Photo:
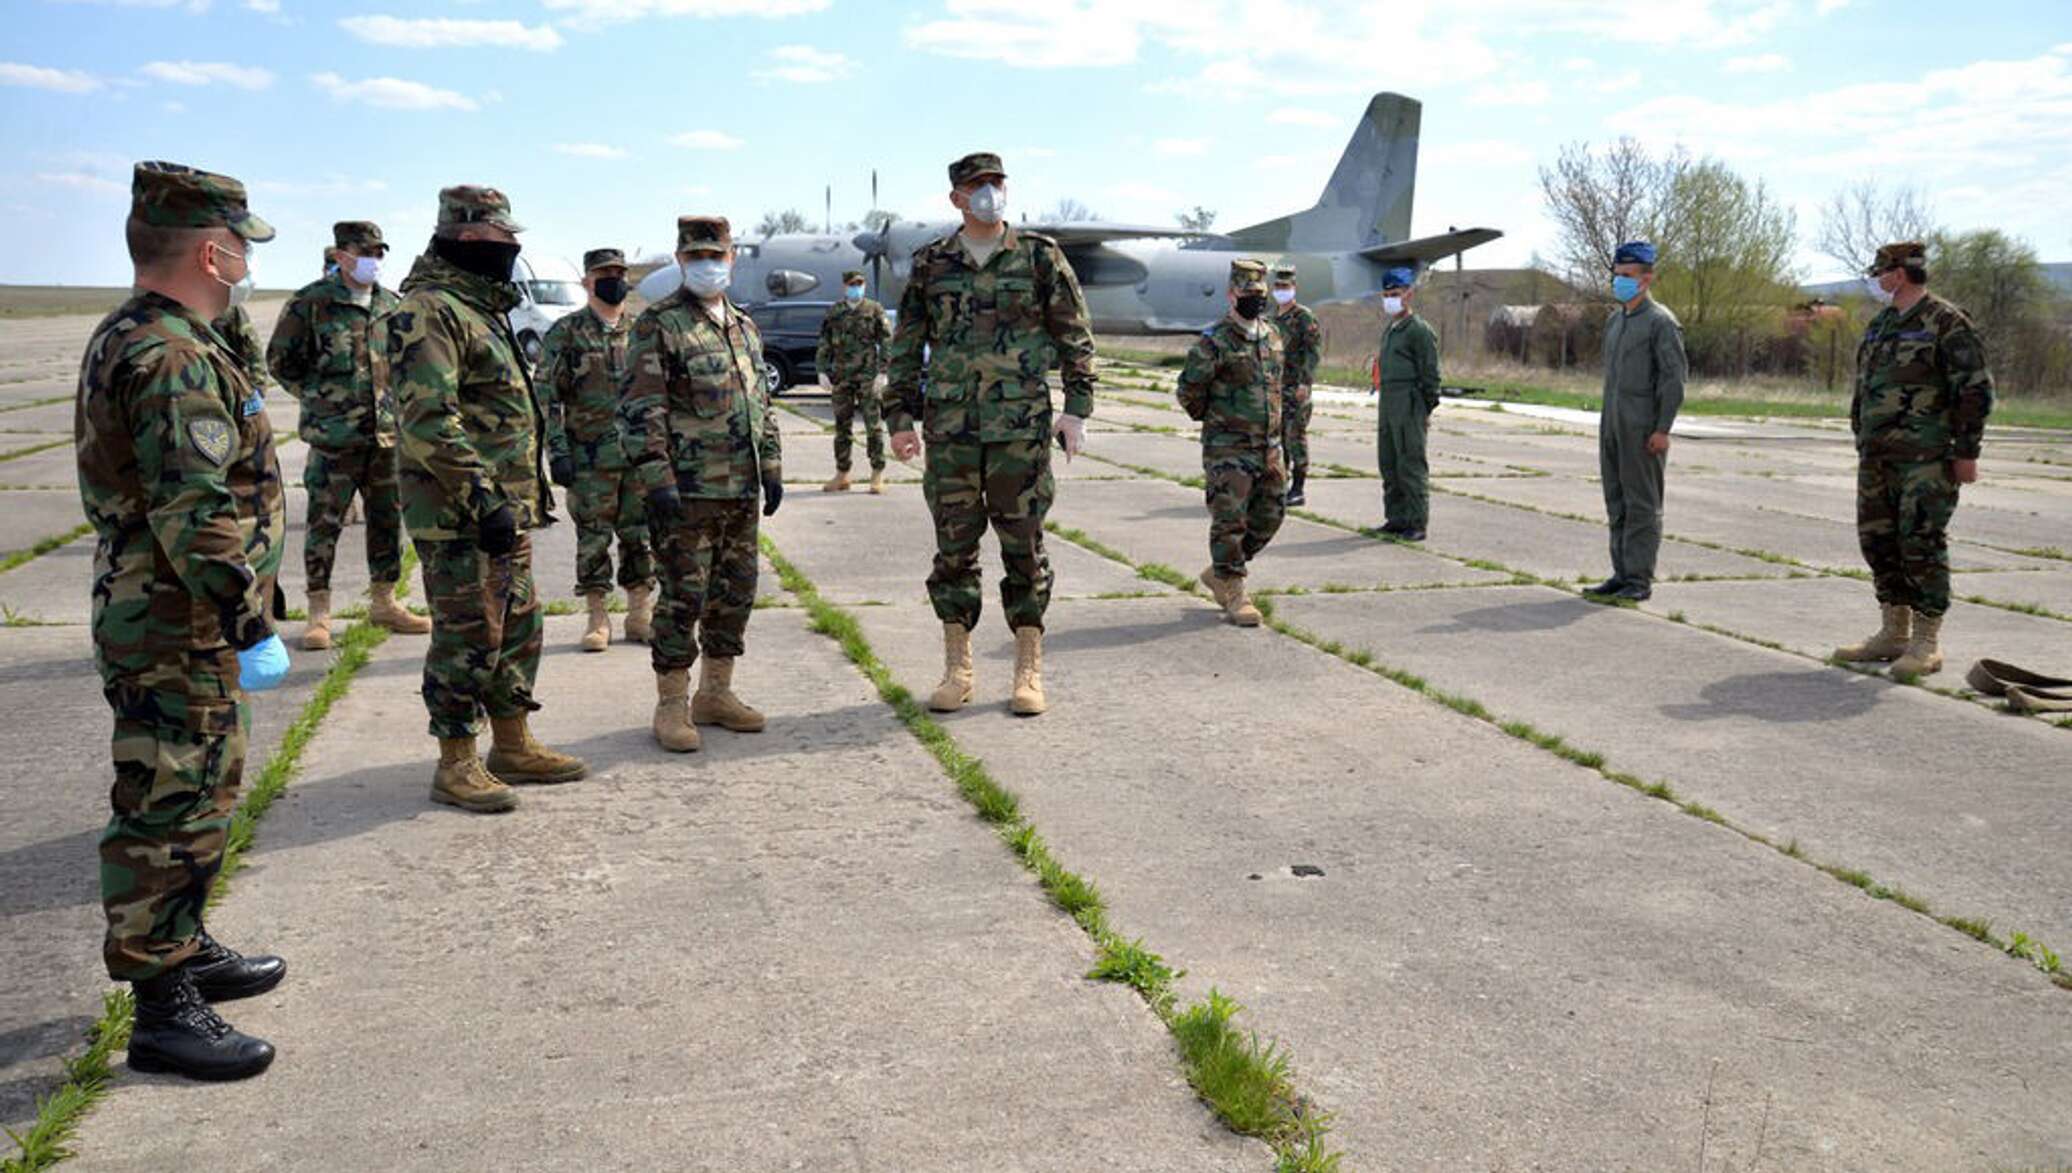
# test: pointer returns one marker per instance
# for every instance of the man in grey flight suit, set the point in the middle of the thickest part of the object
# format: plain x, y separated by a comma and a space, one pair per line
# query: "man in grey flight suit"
1644, 370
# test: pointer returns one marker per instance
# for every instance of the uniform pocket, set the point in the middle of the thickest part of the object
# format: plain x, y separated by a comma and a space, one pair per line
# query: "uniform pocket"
711, 384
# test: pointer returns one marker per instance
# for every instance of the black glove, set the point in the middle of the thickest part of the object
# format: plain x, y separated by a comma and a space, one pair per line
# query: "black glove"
497, 533
773, 494
562, 470
664, 504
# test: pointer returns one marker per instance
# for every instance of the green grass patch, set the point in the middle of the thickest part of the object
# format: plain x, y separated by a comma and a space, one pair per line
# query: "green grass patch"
33, 449
44, 546
43, 402
48, 1140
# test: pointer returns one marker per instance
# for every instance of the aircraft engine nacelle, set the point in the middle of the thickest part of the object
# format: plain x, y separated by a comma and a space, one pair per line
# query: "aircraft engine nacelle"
783, 283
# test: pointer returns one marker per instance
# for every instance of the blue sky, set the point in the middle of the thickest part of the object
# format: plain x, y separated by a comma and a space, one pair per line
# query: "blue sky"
604, 119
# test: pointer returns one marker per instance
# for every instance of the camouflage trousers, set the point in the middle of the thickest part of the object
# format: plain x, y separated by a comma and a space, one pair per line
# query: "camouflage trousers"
1007, 484
333, 476
486, 634
1295, 412
708, 582
1406, 485
607, 503
848, 399
1245, 491
1903, 510
178, 764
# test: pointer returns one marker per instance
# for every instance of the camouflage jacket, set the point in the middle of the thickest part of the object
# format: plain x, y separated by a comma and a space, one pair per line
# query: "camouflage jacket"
1922, 388
234, 327
470, 427
1644, 368
852, 342
1409, 360
321, 355
987, 336
1304, 339
693, 401
178, 476
581, 366
1232, 383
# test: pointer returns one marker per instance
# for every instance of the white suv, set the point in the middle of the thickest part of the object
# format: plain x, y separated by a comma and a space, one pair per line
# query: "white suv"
549, 289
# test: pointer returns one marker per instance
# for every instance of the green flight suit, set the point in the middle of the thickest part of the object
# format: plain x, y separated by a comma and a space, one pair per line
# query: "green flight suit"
1644, 369
1409, 377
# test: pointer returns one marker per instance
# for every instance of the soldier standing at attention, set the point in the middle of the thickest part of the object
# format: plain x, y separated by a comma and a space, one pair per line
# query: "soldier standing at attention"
1304, 342
851, 362
178, 477
1922, 397
1644, 370
320, 352
472, 485
1406, 377
1234, 384
581, 366
986, 312
696, 410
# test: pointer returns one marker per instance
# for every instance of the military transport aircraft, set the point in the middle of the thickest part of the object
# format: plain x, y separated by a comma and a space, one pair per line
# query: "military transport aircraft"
1150, 280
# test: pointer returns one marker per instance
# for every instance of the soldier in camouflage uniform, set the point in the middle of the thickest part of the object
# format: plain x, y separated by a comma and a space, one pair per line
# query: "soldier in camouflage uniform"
1303, 339
1235, 384
320, 352
1644, 369
1406, 381
1922, 397
582, 364
177, 476
986, 312
851, 362
696, 410
472, 484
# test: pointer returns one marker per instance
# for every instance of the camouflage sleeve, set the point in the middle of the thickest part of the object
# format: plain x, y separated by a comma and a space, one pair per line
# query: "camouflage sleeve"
1306, 352
1971, 389
771, 455
644, 403
289, 355
1671, 368
909, 345
1195, 377
881, 340
1066, 319
823, 353
236, 328
1426, 354
184, 436
425, 346
555, 386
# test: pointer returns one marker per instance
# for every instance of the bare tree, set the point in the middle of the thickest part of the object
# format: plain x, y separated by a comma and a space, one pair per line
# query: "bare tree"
878, 219
788, 220
1863, 216
1199, 220
1601, 200
1069, 210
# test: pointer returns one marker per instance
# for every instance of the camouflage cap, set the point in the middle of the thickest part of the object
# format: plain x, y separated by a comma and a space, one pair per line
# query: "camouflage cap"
1284, 274
358, 234
703, 232
173, 195
1899, 254
604, 258
1248, 276
468, 204
973, 166
852, 276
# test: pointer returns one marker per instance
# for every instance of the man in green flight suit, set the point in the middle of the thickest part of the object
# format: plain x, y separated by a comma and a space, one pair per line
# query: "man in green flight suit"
851, 360
1406, 378
1644, 369
1235, 385
1303, 338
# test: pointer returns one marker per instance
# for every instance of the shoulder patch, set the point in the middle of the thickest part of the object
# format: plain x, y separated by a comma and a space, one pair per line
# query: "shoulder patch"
211, 438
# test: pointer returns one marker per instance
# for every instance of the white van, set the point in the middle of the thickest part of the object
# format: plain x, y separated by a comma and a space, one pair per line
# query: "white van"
549, 289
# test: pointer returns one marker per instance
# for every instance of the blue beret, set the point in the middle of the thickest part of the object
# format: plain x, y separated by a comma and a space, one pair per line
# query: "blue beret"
1634, 252
1398, 278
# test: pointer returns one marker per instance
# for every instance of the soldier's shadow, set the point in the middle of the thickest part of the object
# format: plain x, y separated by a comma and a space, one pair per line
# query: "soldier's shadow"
1785, 698
1517, 617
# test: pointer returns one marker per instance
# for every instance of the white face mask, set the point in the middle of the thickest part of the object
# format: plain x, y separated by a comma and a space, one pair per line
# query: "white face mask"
1391, 306
366, 270
988, 203
240, 289
1284, 296
706, 278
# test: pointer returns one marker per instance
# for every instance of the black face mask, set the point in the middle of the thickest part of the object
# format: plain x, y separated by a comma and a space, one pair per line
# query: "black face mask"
611, 290
1251, 305
484, 258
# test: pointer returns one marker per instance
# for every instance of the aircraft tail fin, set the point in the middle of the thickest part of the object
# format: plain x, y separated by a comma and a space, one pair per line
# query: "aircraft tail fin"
1367, 201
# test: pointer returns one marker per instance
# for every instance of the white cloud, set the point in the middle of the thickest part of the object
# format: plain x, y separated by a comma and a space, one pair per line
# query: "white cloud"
336, 185
1148, 193
36, 77
448, 33
264, 7
600, 12
705, 140
806, 65
1300, 116
590, 150
82, 181
173, 107
1758, 63
1579, 64
391, 93
1516, 93
196, 6
201, 73
1181, 146
1619, 83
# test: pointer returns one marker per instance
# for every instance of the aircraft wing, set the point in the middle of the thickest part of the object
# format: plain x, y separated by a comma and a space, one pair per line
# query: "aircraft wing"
1080, 233
1426, 249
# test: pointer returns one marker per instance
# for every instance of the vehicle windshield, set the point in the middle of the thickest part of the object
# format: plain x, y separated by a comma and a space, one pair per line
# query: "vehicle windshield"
557, 292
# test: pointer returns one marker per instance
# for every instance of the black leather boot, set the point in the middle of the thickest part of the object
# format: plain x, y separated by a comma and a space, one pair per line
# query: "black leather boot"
177, 1032
1295, 495
222, 974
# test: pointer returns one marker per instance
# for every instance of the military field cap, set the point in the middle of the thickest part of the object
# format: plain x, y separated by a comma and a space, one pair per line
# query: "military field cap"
852, 276
603, 258
360, 234
1399, 278
1900, 254
703, 232
975, 164
1634, 252
1284, 274
173, 195
1248, 276
468, 204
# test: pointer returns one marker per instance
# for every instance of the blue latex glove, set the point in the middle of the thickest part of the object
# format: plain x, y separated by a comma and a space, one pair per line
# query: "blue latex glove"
261, 666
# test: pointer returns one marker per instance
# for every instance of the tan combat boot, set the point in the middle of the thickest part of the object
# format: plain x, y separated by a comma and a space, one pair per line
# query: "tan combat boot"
673, 728
878, 481
316, 633
840, 484
1028, 672
955, 690
597, 632
461, 781
1924, 649
1239, 605
715, 702
1889, 643
384, 611
515, 756
640, 614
